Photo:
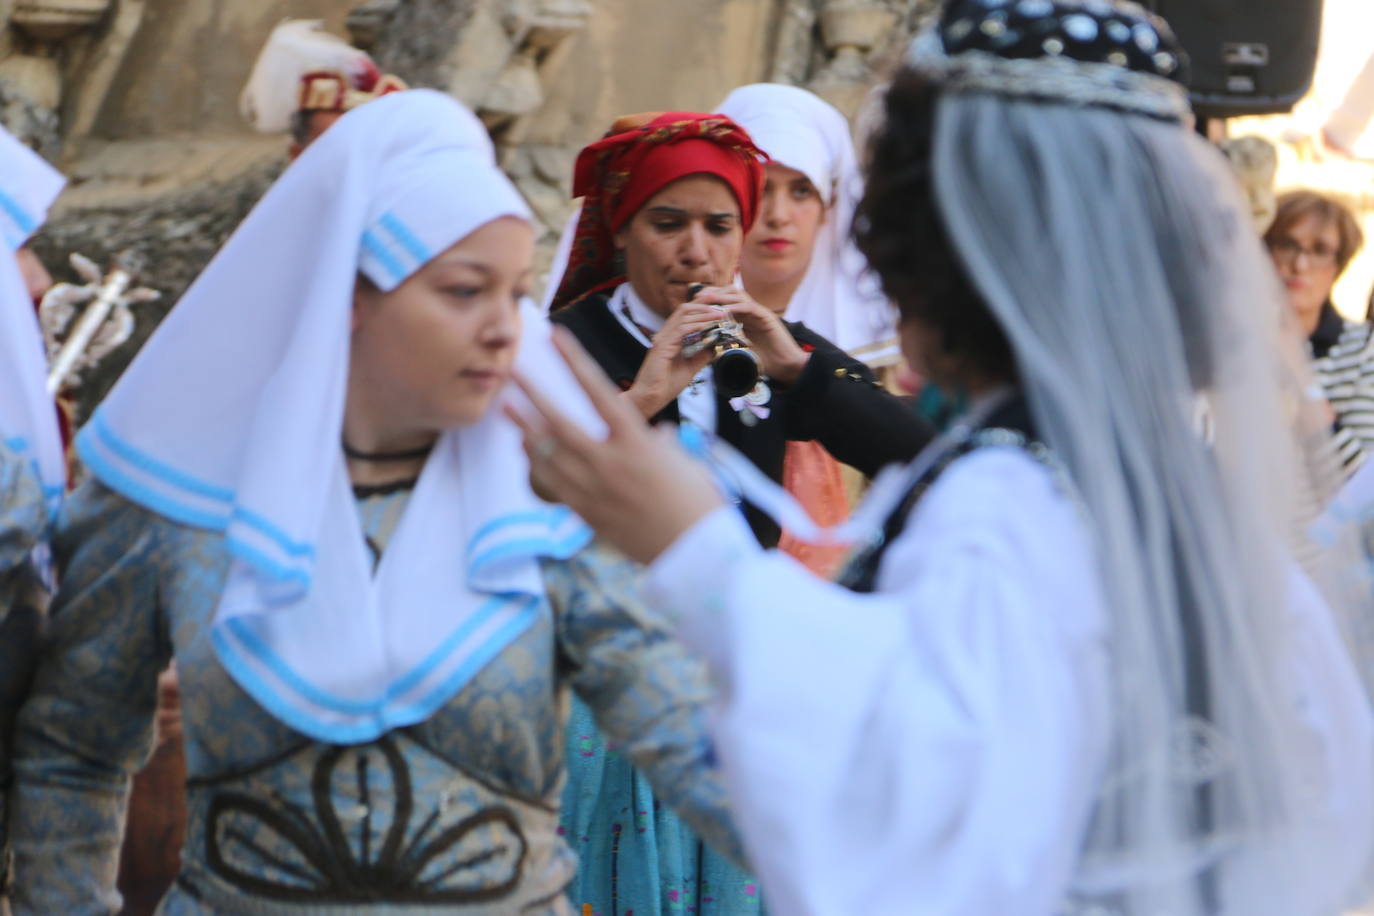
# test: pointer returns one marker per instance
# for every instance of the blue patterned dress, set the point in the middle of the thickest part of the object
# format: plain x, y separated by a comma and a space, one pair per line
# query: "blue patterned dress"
23, 522
457, 814
638, 858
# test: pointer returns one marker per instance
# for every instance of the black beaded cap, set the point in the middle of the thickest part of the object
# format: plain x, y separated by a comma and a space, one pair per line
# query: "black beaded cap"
1111, 32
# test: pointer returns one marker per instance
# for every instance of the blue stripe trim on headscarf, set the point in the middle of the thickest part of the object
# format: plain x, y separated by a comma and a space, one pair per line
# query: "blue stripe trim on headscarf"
21, 217
384, 718
265, 564
536, 547
154, 467
107, 470
117, 479
551, 517
407, 239
259, 650
377, 250
292, 547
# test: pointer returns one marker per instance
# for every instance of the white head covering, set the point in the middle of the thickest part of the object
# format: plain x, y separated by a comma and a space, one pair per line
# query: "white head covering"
231, 417
1110, 243
838, 299
28, 420
295, 48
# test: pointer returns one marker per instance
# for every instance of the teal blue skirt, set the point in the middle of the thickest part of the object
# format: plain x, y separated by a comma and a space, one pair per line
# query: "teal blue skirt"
637, 858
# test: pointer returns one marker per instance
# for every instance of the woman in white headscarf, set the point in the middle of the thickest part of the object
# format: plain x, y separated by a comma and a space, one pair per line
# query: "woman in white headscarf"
300, 491
1074, 667
32, 472
30, 440
804, 264
800, 260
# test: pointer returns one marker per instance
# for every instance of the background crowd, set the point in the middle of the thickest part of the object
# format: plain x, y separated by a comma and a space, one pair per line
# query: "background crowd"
1101, 645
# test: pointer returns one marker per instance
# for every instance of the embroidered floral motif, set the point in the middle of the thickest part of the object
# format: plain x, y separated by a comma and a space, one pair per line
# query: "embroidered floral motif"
337, 852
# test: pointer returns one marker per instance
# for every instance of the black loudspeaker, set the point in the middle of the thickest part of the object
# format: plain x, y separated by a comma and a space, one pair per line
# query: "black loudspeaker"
1248, 56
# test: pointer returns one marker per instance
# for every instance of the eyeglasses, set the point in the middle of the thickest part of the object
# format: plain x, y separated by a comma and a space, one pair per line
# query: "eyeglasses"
1287, 249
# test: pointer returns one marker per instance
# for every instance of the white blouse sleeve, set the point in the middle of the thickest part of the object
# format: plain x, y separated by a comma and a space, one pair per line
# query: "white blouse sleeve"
930, 749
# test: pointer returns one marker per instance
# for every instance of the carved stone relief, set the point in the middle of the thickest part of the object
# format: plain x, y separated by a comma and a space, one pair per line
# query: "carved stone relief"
499, 57
369, 21
502, 56
840, 49
542, 171
851, 31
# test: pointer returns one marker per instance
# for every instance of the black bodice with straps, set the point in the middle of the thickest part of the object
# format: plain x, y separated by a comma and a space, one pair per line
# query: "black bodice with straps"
1008, 424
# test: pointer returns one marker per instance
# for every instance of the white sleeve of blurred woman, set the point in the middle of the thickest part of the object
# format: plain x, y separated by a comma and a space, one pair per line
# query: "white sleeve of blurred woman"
930, 749
1336, 753
937, 748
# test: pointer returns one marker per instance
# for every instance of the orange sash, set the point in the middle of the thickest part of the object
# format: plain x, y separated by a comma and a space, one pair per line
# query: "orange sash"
811, 475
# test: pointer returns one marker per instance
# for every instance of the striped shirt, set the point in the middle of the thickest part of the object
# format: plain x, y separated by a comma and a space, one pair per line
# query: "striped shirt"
1344, 368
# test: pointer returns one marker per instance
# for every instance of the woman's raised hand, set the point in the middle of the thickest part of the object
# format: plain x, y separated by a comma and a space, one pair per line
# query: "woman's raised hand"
780, 356
665, 371
637, 488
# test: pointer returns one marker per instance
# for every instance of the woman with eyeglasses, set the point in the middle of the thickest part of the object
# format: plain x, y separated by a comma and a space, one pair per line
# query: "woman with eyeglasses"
1312, 240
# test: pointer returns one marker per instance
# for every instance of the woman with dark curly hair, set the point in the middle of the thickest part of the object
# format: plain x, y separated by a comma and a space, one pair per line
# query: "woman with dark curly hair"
1076, 668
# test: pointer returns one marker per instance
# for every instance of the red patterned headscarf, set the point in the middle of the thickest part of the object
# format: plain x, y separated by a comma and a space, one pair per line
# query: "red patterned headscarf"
641, 155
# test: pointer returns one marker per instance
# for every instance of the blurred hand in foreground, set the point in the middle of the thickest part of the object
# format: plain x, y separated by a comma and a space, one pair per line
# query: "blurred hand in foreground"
637, 488
168, 706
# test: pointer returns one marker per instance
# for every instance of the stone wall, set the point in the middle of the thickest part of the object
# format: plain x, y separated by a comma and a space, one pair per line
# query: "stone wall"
140, 104
190, 59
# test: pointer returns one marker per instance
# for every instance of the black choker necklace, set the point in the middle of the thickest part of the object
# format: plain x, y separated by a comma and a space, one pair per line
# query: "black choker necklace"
409, 455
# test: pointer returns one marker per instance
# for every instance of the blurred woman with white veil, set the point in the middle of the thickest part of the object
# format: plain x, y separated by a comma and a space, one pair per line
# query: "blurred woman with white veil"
32, 469
820, 280
1076, 668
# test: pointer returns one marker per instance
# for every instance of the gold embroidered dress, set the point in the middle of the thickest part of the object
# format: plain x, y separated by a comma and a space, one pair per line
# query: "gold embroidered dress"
456, 814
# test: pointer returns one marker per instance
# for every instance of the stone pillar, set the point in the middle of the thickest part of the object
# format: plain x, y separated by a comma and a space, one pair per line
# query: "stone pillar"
499, 57
56, 22
852, 30
368, 22
31, 72
541, 169
794, 50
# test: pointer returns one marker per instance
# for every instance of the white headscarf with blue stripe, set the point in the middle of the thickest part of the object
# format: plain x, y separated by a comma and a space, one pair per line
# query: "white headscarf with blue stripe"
28, 420
838, 298
231, 417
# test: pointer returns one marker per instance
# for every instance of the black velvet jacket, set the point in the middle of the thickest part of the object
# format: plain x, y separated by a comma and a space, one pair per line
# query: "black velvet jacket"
837, 402
1330, 327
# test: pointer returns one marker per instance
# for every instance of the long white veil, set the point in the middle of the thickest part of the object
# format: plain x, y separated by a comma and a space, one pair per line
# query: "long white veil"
1118, 258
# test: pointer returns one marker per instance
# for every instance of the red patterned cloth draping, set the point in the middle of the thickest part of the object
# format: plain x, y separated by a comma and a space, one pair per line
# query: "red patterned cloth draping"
640, 156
